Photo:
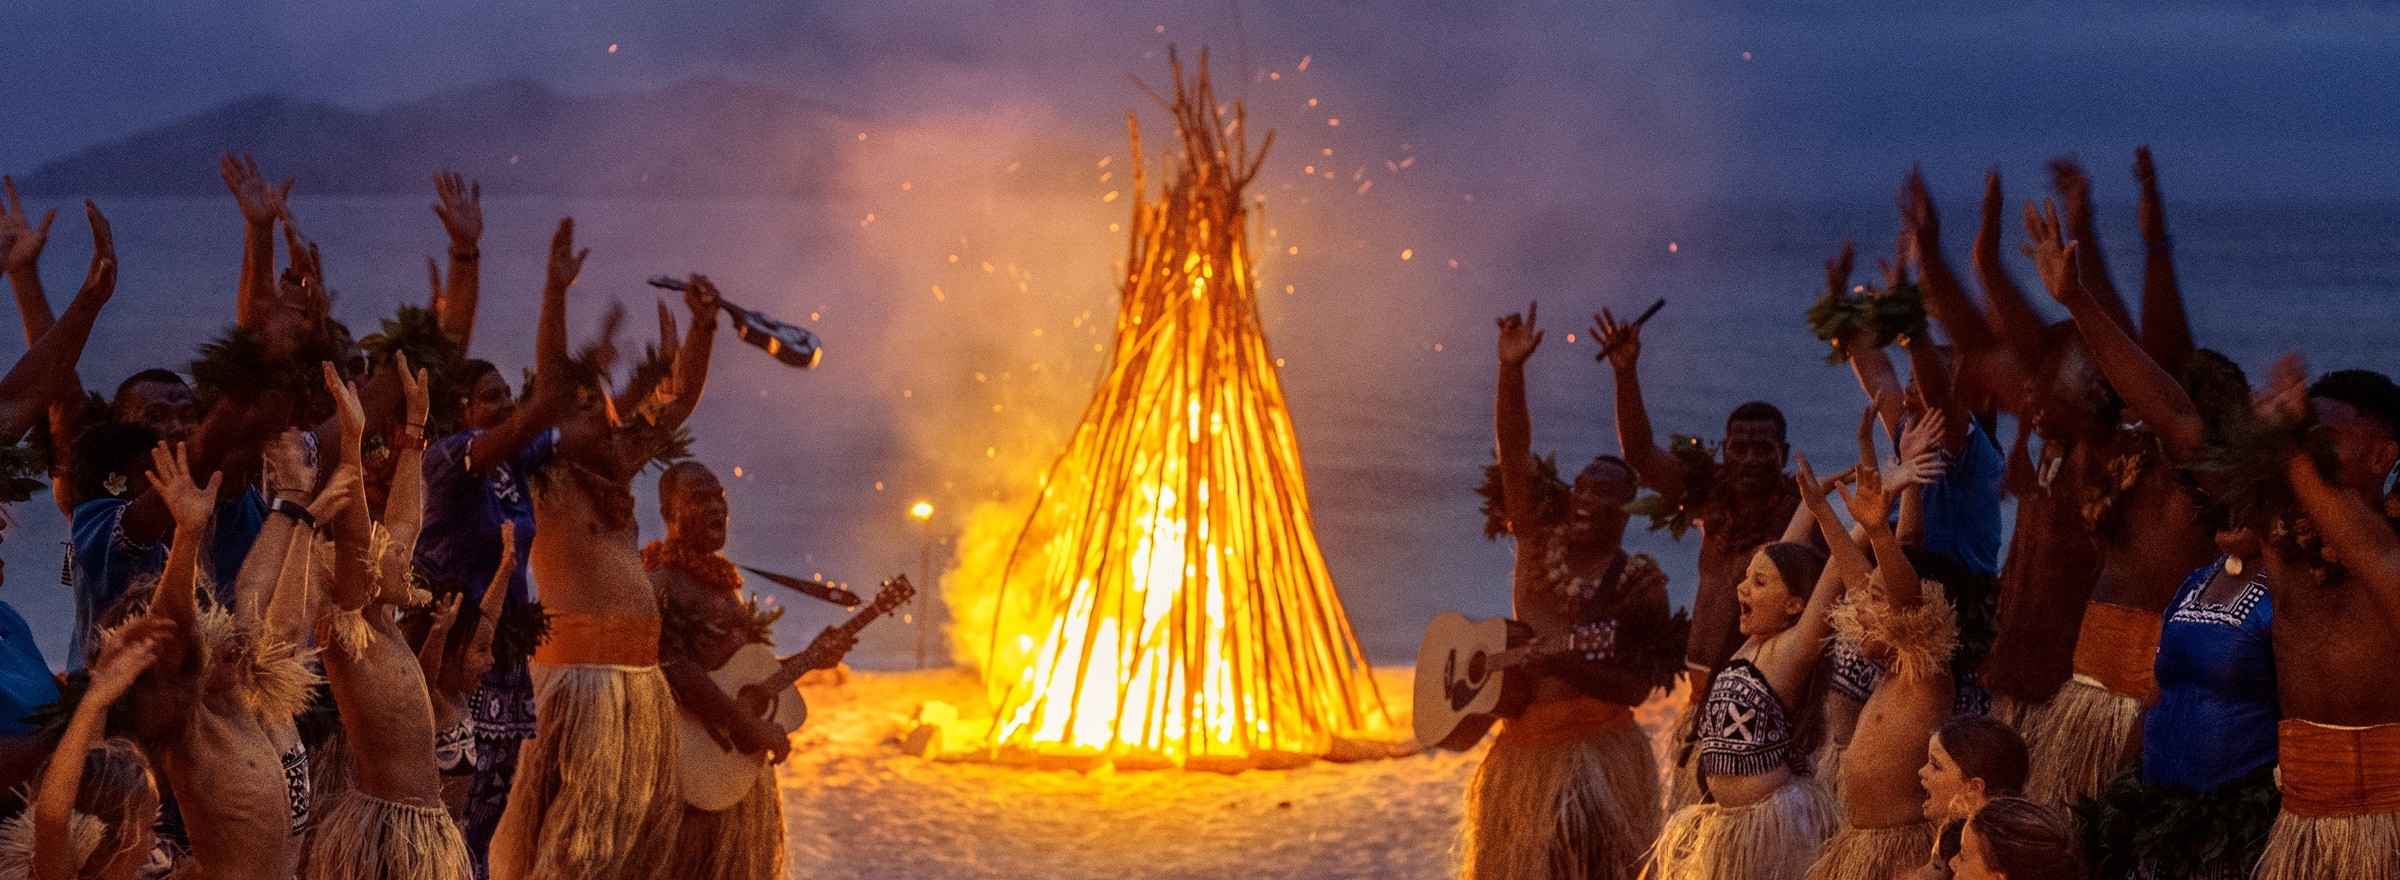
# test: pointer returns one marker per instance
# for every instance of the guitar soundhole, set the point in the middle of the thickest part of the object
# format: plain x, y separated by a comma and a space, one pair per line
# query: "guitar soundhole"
1475, 669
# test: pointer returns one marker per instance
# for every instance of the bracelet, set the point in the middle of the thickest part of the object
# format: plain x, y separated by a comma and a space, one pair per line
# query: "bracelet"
295, 510
415, 429
467, 257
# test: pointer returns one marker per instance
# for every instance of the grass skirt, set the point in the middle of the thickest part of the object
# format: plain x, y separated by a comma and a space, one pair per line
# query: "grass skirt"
2332, 846
2076, 741
1579, 809
595, 794
1874, 853
1826, 767
741, 842
361, 837
85, 835
1774, 839
1683, 786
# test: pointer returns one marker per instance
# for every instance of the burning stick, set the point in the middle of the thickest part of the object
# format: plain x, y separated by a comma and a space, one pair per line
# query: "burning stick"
1173, 603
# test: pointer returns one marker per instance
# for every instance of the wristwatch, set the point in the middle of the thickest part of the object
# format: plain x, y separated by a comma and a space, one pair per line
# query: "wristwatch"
294, 509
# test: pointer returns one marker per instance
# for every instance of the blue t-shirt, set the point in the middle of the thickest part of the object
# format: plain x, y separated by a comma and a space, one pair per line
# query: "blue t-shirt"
1962, 507
463, 514
105, 562
2216, 716
25, 681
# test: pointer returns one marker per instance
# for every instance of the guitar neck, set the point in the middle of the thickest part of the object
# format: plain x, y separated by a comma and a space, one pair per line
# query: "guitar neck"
791, 672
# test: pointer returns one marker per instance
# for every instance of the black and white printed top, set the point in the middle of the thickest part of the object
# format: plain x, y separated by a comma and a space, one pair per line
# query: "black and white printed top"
1743, 727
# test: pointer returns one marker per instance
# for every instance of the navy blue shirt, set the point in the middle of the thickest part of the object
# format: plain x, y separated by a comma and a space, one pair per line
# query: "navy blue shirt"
105, 562
1962, 507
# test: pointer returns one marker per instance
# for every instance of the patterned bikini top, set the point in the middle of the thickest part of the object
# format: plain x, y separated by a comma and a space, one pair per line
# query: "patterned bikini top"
1743, 727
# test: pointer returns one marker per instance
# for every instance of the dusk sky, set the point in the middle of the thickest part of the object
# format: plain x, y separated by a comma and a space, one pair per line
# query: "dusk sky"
2288, 101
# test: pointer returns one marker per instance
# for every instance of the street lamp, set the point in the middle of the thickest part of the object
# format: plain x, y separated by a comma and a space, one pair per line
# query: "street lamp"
922, 512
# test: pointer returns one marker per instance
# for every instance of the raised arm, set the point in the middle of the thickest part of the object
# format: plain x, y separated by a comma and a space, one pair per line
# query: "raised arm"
353, 585
552, 395
191, 505
2154, 395
47, 371
2354, 532
1512, 420
1998, 362
21, 242
2013, 315
2075, 187
1846, 566
125, 653
1622, 341
404, 509
261, 202
1936, 388
683, 389
2166, 329
1867, 361
460, 207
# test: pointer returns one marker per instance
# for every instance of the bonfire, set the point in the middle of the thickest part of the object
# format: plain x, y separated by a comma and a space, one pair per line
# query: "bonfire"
1165, 602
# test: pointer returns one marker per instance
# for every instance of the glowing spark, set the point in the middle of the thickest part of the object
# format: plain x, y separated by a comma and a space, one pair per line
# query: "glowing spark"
937, 294
612, 48
1407, 253
1437, 346
906, 186
737, 470
1362, 188
1453, 264
1304, 62
1745, 56
815, 316
862, 136
878, 488
863, 223
1104, 160
921, 510
1275, 74
1112, 196
1294, 251
1333, 122
1671, 247
1312, 102
1570, 339
512, 160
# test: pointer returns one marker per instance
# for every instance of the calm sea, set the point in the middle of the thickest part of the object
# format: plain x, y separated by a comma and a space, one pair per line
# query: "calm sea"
957, 354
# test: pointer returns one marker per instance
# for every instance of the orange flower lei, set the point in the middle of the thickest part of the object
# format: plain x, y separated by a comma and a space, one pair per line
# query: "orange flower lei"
710, 569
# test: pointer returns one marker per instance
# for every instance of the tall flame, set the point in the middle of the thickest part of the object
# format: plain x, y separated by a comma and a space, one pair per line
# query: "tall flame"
1166, 597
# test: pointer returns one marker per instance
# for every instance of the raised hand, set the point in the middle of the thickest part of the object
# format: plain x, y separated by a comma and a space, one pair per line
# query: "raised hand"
2153, 212
1519, 335
702, 299
1837, 270
28, 237
1920, 224
2051, 252
102, 277
2285, 399
1920, 459
125, 653
460, 208
171, 477
413, 384
308, 265
565, 261
1621, 339
1987, 234
285, 463
353, 416
261, 202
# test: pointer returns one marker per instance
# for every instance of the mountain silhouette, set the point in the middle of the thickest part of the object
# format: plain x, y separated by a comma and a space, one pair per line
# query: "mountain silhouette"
703, 137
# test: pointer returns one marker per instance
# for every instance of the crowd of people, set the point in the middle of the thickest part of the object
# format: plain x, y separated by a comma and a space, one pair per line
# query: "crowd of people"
2170, 670
306, 637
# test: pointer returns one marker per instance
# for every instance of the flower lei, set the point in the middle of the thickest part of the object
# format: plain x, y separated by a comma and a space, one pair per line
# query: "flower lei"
711, 570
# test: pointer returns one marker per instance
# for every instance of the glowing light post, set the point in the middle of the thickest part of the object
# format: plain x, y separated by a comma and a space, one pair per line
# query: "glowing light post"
922, 512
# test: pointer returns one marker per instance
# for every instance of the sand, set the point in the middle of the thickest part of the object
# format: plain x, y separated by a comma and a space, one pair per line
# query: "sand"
858, 806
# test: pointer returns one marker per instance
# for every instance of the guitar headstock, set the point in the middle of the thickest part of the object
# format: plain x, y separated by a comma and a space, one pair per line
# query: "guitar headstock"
893, 594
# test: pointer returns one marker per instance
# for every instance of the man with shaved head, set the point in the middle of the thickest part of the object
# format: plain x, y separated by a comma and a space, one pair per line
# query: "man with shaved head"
704, 619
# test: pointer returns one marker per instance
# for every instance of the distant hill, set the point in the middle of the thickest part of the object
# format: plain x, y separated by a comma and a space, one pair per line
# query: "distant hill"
697, 138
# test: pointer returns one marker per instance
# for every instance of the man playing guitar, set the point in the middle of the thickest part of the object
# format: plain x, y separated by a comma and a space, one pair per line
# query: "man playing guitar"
705, 619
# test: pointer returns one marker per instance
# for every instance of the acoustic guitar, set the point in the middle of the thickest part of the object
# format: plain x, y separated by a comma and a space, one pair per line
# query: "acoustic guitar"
1464, 678
715, 777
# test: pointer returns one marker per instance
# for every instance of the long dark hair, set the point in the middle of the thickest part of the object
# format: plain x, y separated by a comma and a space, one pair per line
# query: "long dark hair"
1988, 750
2028, 841
1800, 565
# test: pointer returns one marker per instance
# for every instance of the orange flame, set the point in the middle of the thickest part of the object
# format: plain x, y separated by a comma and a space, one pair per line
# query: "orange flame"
1165, 599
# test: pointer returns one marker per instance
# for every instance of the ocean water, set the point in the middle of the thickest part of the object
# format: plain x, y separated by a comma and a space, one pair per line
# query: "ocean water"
939, 383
